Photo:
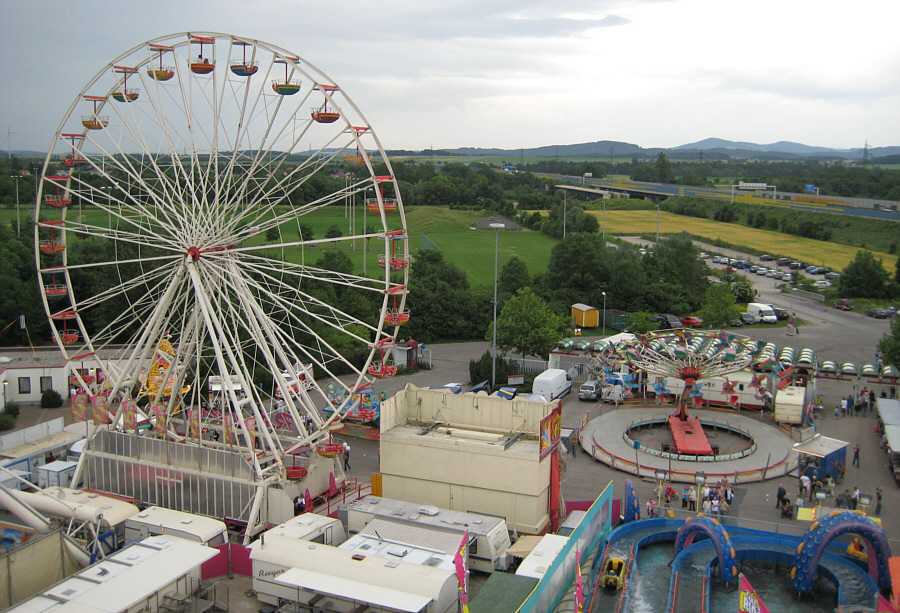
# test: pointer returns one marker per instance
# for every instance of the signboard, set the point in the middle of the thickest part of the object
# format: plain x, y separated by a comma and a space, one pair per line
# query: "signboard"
742, 185
810, 188
515, 380
551, 430
749, 599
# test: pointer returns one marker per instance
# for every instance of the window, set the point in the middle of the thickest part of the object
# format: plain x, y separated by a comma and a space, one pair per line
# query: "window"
46, 384
24, 385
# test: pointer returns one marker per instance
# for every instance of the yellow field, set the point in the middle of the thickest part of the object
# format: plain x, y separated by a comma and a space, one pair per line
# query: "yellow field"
806, 250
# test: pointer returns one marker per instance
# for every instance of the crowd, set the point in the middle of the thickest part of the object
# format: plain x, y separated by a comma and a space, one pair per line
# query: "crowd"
712, 500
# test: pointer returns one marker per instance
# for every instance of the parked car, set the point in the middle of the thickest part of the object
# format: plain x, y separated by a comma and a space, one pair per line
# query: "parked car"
703, 255
832, 275
787, 277
715, 259
783, 261
747, 319
780, 313
795, 265
754, 268
770, 273
762, 271
777, 274
822, 284
589, 390
844, 304
692, 321
667, 321
767, 258
878, 313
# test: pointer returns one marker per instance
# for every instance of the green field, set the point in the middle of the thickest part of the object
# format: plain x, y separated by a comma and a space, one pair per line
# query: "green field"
473, 250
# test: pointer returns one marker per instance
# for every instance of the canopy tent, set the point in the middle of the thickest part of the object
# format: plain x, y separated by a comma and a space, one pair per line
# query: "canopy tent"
822, 456
889, 413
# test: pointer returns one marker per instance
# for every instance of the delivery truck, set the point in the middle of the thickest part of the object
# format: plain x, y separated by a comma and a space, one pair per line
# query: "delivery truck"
553, 383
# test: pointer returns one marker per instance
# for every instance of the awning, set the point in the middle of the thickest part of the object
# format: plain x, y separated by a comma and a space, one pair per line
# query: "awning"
353, 591
523, 546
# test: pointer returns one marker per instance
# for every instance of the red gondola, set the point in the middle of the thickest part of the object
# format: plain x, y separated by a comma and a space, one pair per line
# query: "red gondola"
202, 65
244, 67
289, 86
380, 369
125, 94
396, 316
322, 114
54, 290
58, 200
74, 160
65, 336
50, 246
95, 121
160, 73
375, 205
358, 159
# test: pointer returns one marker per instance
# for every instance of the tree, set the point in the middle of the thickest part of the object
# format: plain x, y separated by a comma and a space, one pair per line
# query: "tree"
513, 276
272, 235
333, 232
719, 309
743, 291
640, 323
306, 231
889, 345
527, 325
864, 277
664, 172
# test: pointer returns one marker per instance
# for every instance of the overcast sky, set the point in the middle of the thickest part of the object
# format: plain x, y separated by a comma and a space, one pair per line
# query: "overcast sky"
482, 73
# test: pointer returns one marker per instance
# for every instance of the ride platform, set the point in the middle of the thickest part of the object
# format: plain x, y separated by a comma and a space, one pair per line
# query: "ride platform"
688, 436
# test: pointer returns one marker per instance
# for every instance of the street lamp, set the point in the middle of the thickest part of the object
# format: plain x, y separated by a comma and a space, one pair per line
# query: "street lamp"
17, 177
604, 313
565, 194
865, 500
657, 225
604, 221
497, 227
5, 383
700, 478
660, 475
820, 498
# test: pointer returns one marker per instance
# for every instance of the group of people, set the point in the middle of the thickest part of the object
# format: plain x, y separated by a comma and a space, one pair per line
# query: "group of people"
808, 487
713, 500
852, 406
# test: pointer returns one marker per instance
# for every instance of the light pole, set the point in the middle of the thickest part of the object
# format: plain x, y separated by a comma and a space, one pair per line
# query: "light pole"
604, 221
565, 194
657, 226
497, 227
5, 383
604, 313
18, 228
660, 475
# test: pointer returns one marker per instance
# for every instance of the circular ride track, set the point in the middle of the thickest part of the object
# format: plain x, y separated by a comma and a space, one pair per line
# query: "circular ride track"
176, 260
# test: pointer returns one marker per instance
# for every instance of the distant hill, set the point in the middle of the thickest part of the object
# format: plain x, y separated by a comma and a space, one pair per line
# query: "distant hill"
712, 148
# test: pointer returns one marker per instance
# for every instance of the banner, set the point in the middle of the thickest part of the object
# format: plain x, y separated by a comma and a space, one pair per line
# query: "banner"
229, 429
129, 415
462, 573
579, 586
193, 423
750, 602
79, 407
159, 415
250, 424
101, 409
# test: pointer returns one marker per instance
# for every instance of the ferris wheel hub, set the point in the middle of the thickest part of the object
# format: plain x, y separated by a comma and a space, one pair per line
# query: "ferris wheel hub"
193, 253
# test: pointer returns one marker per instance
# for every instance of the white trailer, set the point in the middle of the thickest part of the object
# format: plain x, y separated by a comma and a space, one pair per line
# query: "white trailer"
488, 536
155, 521
333, 579
789, 404
734, 390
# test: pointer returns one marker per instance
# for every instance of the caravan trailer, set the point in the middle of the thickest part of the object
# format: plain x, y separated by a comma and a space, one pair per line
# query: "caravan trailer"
155, 521
488, 535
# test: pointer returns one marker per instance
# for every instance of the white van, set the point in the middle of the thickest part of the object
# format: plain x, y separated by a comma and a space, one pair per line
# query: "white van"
762, 313
553, 383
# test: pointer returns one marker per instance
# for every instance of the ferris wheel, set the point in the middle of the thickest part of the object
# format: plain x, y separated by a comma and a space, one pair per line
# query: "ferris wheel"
183, 255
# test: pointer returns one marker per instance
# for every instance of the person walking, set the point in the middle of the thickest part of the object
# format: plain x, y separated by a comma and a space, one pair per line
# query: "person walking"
779, 496
854, 498
346, 455
856, 455
692, 500
878, 493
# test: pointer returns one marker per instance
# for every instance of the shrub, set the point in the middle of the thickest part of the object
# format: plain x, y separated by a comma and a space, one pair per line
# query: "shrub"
51, 399
7, 421
11, 408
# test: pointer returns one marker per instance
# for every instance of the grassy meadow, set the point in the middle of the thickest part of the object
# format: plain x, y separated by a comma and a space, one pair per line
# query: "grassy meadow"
473, 250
